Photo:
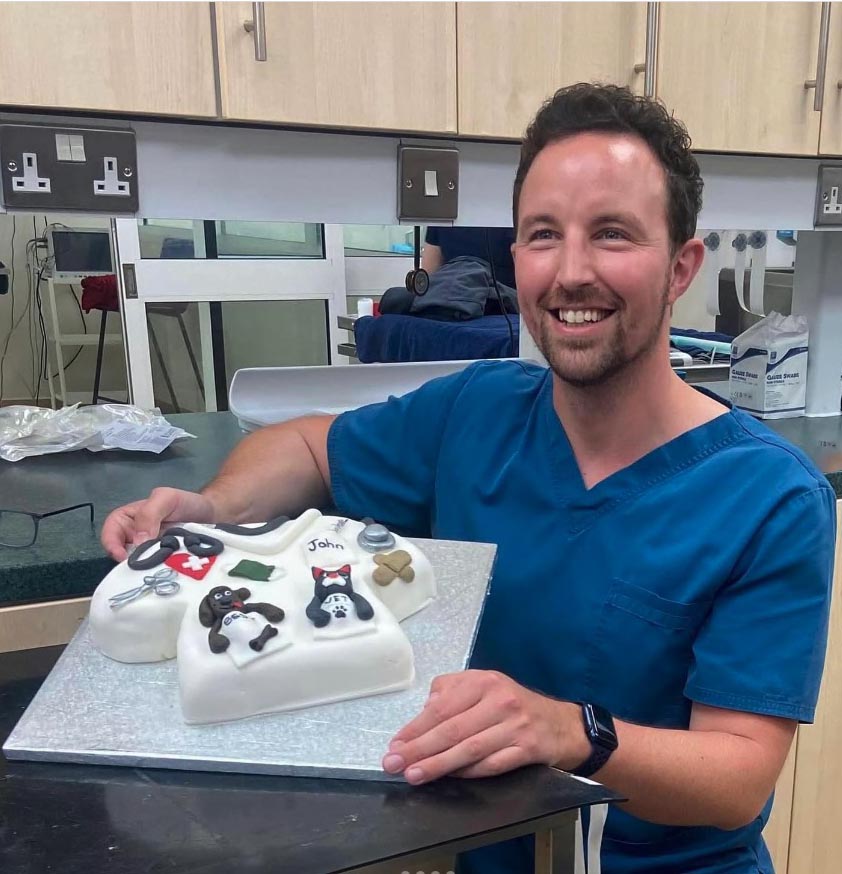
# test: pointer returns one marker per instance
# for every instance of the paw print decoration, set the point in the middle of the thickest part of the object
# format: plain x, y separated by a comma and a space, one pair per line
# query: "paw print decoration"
392, 566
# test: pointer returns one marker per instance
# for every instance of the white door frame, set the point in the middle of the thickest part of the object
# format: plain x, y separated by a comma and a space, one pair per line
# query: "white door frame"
230, 279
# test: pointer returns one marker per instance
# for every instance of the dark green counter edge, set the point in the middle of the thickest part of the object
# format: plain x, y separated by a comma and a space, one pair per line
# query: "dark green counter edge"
68, 561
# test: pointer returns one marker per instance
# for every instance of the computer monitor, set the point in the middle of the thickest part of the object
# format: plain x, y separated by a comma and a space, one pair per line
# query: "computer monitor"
78, 252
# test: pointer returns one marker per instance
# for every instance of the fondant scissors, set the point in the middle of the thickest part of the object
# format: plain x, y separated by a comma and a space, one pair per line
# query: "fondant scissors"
163, 582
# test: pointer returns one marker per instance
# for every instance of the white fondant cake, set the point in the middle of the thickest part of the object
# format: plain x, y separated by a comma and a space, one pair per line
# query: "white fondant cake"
301, 612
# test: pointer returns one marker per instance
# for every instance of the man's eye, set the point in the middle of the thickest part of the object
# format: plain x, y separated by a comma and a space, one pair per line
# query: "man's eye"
612, 234
540, 234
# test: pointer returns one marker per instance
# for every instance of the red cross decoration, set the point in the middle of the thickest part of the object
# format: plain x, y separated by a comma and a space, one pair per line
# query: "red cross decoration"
190, 565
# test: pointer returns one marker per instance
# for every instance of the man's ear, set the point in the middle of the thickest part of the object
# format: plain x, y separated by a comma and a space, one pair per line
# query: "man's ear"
684, 266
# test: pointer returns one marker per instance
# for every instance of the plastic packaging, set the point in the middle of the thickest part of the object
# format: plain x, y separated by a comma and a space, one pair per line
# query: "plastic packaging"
26, 431
769, 367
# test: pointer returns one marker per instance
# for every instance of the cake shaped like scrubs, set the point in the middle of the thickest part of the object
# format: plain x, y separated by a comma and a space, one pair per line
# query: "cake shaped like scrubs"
265, 618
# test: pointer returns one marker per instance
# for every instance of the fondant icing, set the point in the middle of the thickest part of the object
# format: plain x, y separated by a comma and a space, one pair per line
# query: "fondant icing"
318, 623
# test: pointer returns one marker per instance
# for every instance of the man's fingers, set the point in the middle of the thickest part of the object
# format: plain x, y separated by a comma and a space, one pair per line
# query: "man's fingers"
160, 505
451, 695
485, 746
497, 763
441, 737
118, 531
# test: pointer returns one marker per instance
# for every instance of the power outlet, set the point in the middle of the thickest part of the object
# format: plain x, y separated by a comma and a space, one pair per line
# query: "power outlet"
829, 196
110, 185
58, 169
30, 180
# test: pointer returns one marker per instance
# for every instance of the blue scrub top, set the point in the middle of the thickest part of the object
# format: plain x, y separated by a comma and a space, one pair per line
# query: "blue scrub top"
701, 572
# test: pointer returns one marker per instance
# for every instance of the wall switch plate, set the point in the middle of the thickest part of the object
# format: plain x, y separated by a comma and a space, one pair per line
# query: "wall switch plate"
428, 183
68, 169
829, 196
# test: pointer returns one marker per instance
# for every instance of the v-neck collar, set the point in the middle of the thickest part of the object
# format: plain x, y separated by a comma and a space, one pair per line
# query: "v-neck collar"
685, 450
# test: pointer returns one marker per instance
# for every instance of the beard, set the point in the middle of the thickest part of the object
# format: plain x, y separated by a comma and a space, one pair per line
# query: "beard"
583, 363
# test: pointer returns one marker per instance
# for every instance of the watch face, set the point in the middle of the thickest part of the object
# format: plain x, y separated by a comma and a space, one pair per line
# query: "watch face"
600, 726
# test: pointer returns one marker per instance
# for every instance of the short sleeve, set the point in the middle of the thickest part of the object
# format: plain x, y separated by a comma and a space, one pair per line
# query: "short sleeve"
383, 458
432, 236
763, 644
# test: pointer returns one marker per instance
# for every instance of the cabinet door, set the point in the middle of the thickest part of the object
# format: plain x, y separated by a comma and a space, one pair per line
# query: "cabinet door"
390, 66
776, 833
831, 136
815, 843
512, 56
734, 73
119, 57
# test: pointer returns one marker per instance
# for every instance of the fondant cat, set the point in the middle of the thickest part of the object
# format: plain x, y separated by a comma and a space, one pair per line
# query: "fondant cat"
334, 597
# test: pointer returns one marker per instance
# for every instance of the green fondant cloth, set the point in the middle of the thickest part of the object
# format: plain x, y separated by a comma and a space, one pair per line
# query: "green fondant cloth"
252, 570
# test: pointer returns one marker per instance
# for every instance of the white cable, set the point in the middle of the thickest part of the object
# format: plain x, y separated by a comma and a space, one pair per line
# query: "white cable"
757, 242
598, 815
578, 847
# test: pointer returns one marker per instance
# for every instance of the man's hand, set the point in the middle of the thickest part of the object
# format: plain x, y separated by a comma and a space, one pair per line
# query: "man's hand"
482, 723
143, 520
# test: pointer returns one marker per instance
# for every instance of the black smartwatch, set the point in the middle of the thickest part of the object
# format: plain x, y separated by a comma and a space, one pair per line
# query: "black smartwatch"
599, 727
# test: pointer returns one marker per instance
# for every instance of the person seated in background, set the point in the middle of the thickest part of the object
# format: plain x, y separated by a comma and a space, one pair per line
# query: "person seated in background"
494, 245
472, 274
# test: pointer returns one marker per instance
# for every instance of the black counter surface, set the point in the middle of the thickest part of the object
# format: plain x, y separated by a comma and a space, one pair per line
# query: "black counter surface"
75, 819
67, 560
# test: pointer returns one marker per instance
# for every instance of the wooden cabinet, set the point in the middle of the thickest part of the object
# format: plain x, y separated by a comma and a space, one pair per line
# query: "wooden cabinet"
815, 841
830, 142
152, 58
776, 833
389, 66
734, 73
512, 56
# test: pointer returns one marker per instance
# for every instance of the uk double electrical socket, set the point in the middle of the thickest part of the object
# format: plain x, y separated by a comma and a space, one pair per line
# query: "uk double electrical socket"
81, 169
829, 196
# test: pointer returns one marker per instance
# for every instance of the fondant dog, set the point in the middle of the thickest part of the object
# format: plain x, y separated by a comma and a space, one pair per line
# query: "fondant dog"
223, 606
334, 597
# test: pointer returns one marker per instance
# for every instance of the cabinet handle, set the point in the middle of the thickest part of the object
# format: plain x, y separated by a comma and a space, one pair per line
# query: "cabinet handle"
821, 63
257, 26
652, 12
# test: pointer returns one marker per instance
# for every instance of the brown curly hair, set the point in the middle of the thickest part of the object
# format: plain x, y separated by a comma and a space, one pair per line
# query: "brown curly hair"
587, 107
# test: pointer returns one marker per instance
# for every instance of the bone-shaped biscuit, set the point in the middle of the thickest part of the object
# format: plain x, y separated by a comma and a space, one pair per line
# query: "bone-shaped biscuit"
391, 565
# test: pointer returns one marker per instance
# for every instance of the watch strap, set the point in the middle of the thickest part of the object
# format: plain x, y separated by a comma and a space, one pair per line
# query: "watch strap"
598, 757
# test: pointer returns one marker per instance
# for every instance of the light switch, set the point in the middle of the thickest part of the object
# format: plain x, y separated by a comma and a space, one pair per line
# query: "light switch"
428, 183
77, 147
63, 152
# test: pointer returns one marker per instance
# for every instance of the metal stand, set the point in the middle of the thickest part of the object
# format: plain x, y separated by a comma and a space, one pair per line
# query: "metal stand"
817, 295
555, 847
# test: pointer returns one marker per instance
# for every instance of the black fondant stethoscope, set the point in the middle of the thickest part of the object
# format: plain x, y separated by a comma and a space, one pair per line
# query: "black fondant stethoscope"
201, 545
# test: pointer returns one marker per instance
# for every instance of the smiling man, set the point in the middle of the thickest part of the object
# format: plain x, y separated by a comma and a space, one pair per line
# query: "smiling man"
658, 613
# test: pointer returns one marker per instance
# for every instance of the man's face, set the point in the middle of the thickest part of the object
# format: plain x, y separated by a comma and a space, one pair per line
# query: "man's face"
592, 255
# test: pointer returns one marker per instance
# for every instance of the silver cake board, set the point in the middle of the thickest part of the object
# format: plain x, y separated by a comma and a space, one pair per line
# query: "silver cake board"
93, 710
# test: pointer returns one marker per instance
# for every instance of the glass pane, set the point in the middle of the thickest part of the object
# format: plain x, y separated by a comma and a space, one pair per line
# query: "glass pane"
269, 240
379, 240
185, 238
16, 529
254, 334
168, 238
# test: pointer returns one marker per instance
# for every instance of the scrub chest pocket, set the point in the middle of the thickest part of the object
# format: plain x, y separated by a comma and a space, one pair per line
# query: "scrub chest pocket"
645, 641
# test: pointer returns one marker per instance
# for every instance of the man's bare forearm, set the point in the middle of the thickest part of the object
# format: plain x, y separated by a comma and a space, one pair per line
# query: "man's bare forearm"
278, 470
695, 777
